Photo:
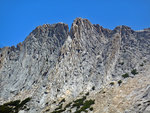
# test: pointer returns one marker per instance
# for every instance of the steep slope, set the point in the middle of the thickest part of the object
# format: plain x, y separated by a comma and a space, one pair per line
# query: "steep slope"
25, 68
132, 96
53, 64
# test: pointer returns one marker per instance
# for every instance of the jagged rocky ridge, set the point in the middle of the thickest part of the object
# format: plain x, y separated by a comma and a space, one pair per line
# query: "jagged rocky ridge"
54, 63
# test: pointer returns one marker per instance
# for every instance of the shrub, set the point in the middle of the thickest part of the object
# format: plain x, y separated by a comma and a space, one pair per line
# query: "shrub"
60, 107
47, 110
82, 105
91, 109
112, 83
6, 109
134, 72
79, 102
13, 103
63, 100
93, 88
119, 82
81, 99
121, 63
59, 111
24, 102
126, 75
87, 94
142, 65
68, 105
13, 106
87, 104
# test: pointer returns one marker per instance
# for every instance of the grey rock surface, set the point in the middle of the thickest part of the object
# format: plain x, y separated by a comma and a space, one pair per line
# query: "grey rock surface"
54, 63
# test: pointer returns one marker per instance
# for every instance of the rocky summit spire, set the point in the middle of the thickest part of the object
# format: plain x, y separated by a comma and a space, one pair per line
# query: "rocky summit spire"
78, 25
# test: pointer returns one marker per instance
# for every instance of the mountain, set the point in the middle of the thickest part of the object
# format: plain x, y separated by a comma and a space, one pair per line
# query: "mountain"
85, 69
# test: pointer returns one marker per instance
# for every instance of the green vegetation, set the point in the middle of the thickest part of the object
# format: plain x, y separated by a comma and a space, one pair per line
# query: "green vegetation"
134, 72
112, 83
59, 107
91, 109
144, 61
13, 103
79, 102
47, 110
63, 100
87, 94
121, 63
126, 75
142, 65
14, 106
87, 104
68, 105
24, 102
119, 82
93, 88
59, 111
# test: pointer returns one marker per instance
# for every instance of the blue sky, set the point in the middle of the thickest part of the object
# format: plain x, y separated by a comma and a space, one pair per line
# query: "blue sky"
19, 17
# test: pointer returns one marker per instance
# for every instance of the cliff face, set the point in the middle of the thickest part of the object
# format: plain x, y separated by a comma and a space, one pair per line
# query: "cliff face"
54, 63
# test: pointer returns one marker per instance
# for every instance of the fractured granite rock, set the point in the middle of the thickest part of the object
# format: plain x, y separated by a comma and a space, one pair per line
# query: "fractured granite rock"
54, 63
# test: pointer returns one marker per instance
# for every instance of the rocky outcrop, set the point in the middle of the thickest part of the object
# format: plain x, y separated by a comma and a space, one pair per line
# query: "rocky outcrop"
54, 63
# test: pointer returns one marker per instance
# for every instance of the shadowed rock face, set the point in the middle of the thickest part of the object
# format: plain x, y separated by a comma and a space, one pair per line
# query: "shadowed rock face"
54, 63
